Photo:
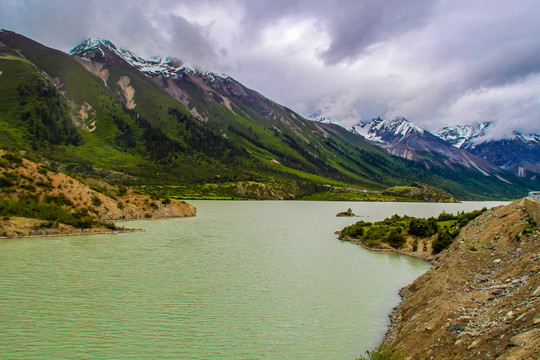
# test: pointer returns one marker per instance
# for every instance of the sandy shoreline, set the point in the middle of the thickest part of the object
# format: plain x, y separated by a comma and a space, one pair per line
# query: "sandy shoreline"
75, 233
422, 256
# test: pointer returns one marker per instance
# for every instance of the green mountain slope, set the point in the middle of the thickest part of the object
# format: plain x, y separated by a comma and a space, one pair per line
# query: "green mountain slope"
102, 111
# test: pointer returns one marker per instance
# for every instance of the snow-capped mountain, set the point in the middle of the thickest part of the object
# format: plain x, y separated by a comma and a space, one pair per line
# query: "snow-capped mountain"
385, 131
170, 74
468, 136
460, 134
95, 48
403, 138
518, 153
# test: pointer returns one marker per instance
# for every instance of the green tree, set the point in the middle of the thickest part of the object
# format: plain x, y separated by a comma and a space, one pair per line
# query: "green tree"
395, 237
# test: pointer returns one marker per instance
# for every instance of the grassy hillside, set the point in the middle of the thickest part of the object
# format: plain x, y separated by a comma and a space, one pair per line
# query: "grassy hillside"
104, 117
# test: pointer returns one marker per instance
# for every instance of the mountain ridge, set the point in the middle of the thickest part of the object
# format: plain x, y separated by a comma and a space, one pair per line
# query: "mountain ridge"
406, 139
517, 153
174, 126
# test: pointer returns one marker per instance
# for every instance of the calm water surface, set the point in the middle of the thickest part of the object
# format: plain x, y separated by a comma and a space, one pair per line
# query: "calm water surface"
242, 280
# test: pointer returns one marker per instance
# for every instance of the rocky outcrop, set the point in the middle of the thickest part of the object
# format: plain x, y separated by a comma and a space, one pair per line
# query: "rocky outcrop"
481, 297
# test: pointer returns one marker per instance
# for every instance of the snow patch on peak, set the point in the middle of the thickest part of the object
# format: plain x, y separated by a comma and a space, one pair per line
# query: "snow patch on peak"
376, 128
326, 120
469, 136
402, 126
461, 134
169, 66
531, 139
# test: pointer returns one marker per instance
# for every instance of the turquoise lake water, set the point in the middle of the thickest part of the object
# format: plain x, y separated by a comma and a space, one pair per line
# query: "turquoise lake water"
242, 280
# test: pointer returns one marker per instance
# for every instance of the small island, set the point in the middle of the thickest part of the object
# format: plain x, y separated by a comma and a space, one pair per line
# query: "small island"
346, 213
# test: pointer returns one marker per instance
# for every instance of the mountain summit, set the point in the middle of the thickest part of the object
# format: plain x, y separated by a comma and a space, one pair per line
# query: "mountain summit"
387, 131
463, 134
96, 49
403, 138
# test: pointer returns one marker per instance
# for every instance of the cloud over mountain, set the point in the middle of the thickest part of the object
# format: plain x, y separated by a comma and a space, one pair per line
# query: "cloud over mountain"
434, 62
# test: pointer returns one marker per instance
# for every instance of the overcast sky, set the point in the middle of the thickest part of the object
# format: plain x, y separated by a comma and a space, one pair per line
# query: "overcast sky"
435, 62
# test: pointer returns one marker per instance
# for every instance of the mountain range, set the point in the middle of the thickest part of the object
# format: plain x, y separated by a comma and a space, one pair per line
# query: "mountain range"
104, 111
467, 145
517, 153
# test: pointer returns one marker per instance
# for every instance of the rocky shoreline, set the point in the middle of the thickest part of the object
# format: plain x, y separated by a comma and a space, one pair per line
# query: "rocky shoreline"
20, 227
481, 297
386, 248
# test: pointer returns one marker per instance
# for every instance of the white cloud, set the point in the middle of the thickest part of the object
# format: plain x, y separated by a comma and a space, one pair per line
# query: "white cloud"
434, 62
510, 107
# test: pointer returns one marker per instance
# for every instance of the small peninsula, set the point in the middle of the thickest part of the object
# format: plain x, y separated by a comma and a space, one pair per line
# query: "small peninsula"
481, 297
37, 200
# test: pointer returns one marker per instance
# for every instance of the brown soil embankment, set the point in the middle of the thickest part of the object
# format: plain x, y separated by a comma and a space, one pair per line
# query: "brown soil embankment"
481, 297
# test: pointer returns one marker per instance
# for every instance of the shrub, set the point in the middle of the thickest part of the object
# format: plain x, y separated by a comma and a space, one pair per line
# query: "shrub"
6, 181
443, 240
419, 227
110, 225
96, 201
383, 352
445, 216
356, 230
121, 191
13, 158
395, 238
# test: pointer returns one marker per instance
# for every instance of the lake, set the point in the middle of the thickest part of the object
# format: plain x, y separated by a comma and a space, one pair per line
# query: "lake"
242, 280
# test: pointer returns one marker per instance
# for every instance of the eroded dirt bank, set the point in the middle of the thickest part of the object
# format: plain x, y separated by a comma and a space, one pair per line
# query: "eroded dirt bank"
480, 299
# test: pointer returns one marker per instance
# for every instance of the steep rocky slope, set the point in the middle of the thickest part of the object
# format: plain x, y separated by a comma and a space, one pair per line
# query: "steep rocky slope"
481, 297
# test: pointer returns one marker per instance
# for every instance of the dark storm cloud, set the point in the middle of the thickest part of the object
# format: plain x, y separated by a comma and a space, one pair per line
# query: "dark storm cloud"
140, 25
356, 25
435, 62
352, 25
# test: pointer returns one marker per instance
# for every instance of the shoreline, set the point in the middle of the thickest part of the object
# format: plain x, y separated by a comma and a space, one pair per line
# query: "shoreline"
479, 298
75, 233
394, 315
428, 258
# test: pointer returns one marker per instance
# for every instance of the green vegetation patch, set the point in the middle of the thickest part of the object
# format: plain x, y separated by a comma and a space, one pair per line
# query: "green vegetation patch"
392, 231
50, 209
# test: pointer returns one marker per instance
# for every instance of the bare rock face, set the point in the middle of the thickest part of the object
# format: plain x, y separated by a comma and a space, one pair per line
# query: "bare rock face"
481, 297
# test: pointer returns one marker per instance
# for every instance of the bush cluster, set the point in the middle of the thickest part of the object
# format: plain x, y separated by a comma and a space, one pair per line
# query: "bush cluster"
50, 210
392, 230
